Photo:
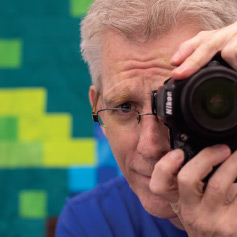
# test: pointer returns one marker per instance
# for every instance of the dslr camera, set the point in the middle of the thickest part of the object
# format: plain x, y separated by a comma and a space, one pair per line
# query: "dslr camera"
201, 110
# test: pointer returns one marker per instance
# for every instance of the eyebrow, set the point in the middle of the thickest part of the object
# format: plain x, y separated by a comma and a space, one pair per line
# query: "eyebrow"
116, 97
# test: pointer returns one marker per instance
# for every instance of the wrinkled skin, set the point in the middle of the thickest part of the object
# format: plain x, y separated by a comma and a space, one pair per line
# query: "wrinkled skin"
129, 73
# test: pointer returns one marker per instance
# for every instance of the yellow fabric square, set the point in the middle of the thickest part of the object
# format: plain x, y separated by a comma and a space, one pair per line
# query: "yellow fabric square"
73, 152
45, 128
30, 101
22, 101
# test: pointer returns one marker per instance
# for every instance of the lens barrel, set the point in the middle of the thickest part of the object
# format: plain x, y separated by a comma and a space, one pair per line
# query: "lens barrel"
209, 102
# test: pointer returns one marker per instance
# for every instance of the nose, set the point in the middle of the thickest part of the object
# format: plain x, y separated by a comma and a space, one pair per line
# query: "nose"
153, 138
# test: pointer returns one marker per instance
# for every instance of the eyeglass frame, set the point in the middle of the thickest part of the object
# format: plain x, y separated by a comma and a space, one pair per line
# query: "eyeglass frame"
95, 114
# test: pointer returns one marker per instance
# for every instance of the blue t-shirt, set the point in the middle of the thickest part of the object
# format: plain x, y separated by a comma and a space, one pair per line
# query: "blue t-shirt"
111, 209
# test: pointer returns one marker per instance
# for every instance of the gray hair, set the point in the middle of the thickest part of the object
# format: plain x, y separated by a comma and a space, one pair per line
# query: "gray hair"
140, 20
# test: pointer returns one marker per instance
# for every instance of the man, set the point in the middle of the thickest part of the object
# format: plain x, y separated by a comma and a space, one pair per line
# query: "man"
132, 47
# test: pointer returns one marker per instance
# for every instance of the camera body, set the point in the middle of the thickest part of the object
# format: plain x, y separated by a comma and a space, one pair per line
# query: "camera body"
201, 110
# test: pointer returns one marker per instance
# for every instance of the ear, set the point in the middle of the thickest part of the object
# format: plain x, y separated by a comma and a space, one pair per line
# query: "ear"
92, 95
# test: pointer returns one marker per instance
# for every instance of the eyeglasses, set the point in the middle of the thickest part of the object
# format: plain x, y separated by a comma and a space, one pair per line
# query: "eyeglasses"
117, 118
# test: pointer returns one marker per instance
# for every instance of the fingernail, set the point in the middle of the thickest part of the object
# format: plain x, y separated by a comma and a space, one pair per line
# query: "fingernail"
179, 69
175, 57
175, 155
223, 149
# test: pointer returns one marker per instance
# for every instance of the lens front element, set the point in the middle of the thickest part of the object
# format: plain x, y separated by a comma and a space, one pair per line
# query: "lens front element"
214, 104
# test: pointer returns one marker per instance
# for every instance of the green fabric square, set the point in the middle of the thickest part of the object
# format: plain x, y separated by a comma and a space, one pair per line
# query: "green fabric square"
10, 53
79, 7
8, 128
21, 154
33, 204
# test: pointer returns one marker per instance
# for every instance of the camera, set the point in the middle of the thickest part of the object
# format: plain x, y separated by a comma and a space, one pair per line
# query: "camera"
201, 110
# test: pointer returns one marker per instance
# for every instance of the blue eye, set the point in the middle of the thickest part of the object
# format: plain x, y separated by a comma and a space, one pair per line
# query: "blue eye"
126, 106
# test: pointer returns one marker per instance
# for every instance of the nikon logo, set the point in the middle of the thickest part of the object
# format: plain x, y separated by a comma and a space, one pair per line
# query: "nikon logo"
168, 105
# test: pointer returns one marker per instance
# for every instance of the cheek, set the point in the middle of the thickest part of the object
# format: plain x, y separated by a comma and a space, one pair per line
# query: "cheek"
123, 145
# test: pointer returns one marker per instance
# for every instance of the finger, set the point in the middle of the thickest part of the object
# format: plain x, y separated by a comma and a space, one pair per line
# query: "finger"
218, 187
163, 181
208, 43
198, 59
191, 175
186, 49
229, 52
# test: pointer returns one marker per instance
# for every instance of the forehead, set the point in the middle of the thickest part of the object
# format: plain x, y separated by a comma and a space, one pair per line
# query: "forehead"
134, 68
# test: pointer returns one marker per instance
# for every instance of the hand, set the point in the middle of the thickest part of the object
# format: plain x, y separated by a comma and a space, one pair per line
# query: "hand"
203, 212
195, 53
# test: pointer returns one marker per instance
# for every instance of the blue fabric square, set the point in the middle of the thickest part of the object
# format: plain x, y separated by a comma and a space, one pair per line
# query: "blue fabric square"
104, 154
98, 133
81, 179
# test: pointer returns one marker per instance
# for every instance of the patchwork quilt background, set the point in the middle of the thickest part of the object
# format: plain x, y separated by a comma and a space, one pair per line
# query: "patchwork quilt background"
49, 147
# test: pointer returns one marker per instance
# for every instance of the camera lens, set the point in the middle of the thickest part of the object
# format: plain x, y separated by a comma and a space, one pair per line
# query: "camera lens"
214, 104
